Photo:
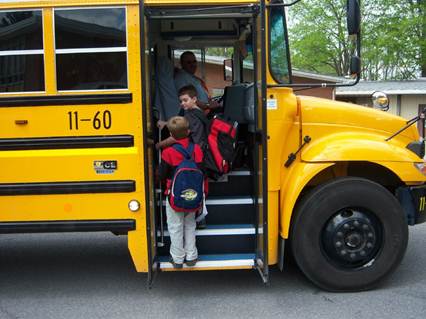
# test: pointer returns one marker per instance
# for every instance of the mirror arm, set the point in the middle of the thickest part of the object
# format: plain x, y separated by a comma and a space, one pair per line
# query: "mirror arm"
316, 85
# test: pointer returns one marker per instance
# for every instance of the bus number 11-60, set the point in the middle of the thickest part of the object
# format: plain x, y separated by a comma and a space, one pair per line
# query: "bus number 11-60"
99, 120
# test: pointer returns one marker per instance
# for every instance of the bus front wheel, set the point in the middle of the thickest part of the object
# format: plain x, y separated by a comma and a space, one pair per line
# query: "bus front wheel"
348, 234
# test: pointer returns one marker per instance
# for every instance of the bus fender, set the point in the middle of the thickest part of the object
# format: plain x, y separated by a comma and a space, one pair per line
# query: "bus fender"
367, 147
355, 146
299, 176
327, 152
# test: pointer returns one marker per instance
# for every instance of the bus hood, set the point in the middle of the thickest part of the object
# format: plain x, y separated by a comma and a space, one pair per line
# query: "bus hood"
323, 111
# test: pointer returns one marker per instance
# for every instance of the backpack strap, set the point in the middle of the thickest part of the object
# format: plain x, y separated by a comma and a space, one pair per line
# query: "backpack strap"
186, 152
204, 121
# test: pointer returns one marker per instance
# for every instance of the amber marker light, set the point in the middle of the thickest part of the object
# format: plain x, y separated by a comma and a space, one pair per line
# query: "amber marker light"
421, 167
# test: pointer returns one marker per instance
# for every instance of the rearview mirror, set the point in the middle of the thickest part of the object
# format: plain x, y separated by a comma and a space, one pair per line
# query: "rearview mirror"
353, 14
228, 70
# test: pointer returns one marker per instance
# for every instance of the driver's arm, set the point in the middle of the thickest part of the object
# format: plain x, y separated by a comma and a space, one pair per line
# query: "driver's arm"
211, 104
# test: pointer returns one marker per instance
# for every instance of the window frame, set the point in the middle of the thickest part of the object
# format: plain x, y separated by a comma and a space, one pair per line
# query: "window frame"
92, 50
41, 51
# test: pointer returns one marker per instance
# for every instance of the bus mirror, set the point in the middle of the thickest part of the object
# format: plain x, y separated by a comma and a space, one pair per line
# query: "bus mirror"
353, 16
228, 70
355, 68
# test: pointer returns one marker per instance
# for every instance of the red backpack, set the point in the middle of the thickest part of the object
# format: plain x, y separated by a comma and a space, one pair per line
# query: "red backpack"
220, 151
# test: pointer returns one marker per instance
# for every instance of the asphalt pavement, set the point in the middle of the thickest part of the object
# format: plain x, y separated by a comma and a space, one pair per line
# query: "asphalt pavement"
91, 276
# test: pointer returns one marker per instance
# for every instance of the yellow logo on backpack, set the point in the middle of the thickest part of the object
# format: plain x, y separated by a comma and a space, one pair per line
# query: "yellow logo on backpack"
189, 194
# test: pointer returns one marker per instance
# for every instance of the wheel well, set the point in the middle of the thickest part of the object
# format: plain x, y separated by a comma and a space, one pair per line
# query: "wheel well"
368, 170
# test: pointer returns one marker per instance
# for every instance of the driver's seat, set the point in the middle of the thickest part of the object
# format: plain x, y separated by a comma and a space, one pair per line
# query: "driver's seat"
238, 103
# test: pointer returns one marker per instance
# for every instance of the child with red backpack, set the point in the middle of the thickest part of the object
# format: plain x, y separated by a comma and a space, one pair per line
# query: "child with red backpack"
182, 168
198, 135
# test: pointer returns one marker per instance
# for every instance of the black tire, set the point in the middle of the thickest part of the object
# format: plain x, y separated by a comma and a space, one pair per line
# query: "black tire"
348, 234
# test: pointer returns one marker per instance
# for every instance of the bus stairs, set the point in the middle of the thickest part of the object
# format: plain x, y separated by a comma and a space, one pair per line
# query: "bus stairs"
228, 241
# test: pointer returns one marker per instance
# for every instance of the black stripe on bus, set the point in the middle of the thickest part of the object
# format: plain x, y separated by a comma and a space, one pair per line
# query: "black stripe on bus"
66, 100
37, 143
116, 226
49, 188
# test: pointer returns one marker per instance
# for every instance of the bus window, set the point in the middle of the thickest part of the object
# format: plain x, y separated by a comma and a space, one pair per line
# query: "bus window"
247, 65
21, 51
278, 52
91, 50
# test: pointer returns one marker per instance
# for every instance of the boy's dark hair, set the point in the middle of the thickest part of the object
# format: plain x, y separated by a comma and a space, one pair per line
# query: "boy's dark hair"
188, 89
178, 127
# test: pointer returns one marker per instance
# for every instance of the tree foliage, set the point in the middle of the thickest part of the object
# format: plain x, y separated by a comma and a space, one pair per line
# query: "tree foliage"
393, 38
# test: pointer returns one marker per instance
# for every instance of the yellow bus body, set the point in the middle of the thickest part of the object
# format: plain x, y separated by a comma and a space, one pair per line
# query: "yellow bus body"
342, 134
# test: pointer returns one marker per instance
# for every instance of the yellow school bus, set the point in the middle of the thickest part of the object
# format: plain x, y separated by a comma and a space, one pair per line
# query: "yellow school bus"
336, 184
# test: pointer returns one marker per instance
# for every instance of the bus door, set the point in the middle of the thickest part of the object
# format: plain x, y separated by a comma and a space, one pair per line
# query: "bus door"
149, 153
260, 150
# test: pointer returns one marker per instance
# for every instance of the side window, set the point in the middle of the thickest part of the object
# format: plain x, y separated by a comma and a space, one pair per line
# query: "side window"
279, 62
21, 51
248, 69
91, 49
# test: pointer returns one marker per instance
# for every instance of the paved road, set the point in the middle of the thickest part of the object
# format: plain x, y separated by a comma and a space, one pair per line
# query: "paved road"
91, 276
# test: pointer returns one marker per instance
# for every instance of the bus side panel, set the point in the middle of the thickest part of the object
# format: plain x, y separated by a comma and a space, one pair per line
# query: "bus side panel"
76, 182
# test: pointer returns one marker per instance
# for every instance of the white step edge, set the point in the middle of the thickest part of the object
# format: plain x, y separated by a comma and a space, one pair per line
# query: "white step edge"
227, 201
219, 232
224, 178
230, 201
214, 263
240, 173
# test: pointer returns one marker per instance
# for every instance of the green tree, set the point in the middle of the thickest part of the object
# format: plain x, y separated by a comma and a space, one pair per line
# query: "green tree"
422, 13
317, 37
392, 38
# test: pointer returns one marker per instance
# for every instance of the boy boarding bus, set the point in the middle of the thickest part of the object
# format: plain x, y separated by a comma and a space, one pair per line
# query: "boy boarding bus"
335, 182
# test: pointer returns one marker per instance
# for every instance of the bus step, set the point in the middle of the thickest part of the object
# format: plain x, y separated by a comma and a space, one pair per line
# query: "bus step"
236, 183
221, 230
216, 240
228, 210
213, 262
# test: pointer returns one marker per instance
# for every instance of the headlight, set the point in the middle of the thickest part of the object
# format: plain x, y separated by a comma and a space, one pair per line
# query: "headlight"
380, 101
421, 167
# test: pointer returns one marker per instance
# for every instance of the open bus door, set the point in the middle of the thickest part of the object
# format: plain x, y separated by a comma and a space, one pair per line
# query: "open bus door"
260, 149
149, 149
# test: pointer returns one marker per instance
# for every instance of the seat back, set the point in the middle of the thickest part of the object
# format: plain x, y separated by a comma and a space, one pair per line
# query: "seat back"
238, 103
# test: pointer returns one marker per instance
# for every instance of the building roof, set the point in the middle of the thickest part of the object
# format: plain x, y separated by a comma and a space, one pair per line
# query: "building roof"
303, 74
389, 87
317, 76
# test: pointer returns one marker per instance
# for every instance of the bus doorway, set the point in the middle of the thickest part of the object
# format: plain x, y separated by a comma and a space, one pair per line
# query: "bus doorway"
236, 233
